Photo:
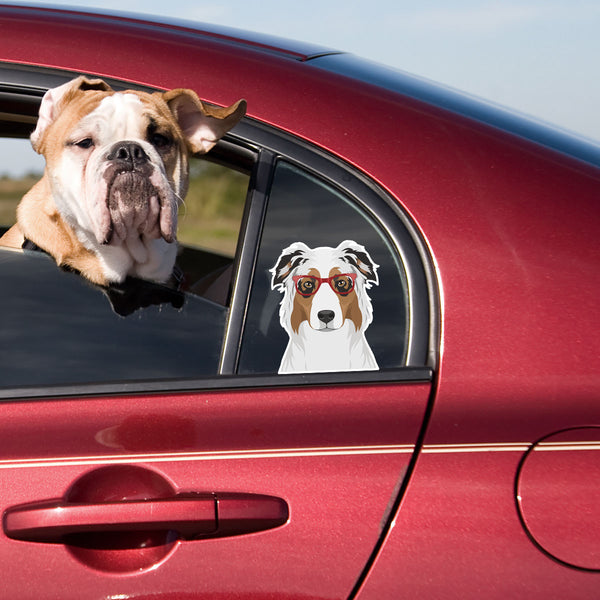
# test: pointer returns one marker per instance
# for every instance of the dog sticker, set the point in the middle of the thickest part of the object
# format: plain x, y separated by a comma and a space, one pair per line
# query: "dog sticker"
325, 308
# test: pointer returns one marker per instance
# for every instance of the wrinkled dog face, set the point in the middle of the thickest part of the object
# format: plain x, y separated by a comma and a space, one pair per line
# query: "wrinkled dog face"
133, 169
118, 161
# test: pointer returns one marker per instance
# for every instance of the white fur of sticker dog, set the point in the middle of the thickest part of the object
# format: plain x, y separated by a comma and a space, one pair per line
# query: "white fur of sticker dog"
326, 328
116, 172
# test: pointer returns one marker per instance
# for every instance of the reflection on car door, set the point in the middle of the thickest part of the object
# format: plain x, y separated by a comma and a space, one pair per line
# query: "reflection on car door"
335, 464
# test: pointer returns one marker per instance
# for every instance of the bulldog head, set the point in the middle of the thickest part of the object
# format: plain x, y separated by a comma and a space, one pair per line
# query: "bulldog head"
117, 167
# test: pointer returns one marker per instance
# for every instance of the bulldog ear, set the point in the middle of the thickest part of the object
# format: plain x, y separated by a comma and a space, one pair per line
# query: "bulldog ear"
358, 257
203, 125
293, 256
53, 101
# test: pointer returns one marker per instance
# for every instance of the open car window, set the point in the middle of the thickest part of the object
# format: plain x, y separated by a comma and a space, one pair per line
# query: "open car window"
208, 223
59, 329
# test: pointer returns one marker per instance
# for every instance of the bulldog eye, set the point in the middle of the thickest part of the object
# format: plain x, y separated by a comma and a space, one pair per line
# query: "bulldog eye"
160, 141
85, 143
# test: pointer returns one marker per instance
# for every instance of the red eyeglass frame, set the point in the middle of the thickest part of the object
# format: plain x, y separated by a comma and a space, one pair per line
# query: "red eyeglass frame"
321, 280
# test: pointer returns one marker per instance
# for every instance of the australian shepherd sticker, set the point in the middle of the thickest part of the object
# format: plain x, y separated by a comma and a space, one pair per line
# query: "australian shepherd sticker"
325, 308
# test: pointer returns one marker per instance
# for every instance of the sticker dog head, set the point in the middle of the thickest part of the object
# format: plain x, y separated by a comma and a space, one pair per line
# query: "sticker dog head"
116, 172
325, 308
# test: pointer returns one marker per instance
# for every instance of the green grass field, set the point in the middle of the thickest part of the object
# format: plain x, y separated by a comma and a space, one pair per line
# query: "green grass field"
209, 218
11, 191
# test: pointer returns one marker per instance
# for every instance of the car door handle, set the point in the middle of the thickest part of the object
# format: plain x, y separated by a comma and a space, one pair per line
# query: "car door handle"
192, 517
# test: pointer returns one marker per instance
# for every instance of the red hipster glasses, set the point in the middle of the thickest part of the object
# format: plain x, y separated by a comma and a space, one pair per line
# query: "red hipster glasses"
307, 285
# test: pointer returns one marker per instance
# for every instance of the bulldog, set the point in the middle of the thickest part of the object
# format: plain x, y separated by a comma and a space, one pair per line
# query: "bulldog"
116, 173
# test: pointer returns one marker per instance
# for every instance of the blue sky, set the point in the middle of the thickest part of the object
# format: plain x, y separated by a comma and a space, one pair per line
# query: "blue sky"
536, 56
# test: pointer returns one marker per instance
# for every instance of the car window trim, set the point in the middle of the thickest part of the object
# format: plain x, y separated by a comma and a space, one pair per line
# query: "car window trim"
219, 383
248, 244
423, 294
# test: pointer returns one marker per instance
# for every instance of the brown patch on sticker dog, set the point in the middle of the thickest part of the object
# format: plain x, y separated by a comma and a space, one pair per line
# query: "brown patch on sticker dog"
301, 311
349, 304
302, 306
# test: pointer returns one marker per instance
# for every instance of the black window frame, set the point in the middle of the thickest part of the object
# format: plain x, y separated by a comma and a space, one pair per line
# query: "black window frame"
263, 145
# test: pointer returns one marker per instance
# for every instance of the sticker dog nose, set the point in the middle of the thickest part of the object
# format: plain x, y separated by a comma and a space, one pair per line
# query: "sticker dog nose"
129, 153
326, 316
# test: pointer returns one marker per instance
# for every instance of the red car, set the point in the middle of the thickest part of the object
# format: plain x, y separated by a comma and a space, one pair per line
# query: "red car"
176, 447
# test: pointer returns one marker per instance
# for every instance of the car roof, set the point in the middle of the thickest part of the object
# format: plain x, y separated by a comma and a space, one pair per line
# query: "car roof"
283, 47
332, 60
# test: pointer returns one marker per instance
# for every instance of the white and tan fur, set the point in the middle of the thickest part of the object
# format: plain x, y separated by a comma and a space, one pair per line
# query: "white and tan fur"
116, 172
326, 331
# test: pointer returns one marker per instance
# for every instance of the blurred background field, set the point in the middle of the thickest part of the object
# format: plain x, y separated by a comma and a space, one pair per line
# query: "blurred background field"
210, 217
11, 191
212, 212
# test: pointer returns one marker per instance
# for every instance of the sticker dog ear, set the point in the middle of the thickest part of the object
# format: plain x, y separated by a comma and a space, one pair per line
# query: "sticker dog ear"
291, 257
358, 257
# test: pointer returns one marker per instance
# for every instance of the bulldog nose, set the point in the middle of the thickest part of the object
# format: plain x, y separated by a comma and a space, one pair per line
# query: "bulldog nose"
130, 154
326, 316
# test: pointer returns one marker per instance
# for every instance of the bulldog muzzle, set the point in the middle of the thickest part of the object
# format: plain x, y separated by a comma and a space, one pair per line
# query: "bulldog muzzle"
139, 201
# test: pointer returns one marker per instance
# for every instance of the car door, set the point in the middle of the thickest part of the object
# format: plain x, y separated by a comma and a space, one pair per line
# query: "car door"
150, 446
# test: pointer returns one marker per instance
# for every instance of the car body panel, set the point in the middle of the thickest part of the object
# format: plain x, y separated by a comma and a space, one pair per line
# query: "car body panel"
479, 548
557, 493
296, 450
472, 107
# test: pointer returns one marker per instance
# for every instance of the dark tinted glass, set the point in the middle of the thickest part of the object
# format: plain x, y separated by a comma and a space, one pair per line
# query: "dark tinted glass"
303, 208
56, 328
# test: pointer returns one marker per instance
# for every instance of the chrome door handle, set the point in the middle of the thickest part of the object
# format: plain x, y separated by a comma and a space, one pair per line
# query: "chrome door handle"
191, 516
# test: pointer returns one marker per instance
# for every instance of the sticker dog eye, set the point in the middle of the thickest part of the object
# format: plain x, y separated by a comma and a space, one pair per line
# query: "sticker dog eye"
306, 286
343, 284
325, 308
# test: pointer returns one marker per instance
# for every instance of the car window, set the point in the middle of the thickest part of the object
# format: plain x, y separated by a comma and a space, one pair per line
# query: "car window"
59, 329
308, 224
209, 217
257, 194
211, 214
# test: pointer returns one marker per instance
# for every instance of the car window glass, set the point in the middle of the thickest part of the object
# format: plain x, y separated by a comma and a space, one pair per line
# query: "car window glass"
57, 328
304, 209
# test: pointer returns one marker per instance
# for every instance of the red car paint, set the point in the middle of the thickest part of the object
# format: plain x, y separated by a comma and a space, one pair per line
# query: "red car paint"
512, 229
